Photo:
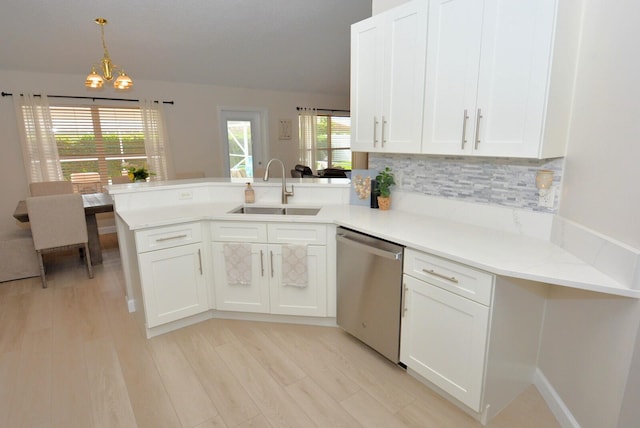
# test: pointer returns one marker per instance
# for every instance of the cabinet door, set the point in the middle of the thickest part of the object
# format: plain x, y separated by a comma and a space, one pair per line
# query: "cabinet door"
453, 52
444, 339
366, 82
405, 49
309, 300
387, 80
173, 284
252, 297
513, 76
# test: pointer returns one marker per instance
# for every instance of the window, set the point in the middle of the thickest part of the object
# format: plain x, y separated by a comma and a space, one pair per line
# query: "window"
333, 142
98, 139
242, 140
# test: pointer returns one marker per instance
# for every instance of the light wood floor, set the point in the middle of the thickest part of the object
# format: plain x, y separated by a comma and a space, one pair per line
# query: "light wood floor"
72, 356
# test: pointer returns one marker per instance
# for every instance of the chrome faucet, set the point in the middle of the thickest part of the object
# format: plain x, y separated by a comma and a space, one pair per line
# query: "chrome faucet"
285, 192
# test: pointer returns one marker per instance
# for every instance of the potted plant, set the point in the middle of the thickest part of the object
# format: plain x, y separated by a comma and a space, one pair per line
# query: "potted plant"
384, 181
138, 174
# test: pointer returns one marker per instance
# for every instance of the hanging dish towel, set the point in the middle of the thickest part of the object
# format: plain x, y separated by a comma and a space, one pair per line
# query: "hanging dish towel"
237, 259
294, 265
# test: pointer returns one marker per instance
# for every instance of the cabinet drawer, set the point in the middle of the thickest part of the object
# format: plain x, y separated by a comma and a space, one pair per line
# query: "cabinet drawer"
238, 231
297, 233
167, 237
463, 280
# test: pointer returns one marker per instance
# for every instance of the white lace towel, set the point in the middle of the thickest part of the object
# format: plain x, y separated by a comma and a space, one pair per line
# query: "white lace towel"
294, 265
237, 259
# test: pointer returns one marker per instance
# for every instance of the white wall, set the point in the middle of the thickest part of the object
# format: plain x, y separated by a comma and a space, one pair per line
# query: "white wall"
588, 340
601, 188
192, 123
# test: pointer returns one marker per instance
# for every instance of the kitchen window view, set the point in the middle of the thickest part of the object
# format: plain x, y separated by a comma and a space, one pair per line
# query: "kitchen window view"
333, 142
103, 140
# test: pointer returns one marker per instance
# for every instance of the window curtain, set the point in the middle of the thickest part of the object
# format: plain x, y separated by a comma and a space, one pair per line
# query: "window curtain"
308, 125
39, 149
155, 140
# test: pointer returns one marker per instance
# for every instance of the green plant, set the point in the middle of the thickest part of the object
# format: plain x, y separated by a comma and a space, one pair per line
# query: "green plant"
384, 181
138, 173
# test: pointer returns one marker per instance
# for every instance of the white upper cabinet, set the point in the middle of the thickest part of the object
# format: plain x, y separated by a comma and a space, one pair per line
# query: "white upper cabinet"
387, 80
499, 77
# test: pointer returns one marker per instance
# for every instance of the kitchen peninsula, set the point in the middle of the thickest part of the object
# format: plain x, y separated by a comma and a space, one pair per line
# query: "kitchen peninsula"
181, 222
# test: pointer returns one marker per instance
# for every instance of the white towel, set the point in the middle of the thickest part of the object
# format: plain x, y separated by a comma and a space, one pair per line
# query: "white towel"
237, 259
294, 265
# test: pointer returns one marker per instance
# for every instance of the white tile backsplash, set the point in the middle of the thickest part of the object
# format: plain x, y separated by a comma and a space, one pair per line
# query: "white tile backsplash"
507, 182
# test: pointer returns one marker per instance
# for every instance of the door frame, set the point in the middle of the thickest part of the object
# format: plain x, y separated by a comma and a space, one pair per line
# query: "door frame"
259, 142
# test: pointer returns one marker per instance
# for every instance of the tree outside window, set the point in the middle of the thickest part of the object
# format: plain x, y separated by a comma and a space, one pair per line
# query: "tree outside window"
333, 143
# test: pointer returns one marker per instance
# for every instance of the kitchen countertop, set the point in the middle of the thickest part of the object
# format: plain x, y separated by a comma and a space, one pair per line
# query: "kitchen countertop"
501, 253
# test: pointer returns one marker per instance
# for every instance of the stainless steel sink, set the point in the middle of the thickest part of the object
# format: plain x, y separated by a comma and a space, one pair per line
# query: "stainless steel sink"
275, 210
301, 211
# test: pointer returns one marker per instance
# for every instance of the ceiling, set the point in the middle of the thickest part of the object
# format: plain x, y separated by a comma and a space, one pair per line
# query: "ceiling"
293, 45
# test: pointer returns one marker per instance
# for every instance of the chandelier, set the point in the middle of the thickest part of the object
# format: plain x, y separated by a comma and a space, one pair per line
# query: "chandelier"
107, 68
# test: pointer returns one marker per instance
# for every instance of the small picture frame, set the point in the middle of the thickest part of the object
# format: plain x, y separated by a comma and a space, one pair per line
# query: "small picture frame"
284, 129
361, 186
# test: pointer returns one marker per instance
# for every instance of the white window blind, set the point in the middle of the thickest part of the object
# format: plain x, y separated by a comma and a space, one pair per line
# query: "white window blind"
332, 143
98, 139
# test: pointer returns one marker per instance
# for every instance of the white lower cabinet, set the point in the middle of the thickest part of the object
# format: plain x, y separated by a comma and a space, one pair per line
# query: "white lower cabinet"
171, 273
309, 299
252, 296
444, 334
444, 339
469, 333
264, 291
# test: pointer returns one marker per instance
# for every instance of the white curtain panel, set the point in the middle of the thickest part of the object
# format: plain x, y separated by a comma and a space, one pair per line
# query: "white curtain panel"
40, 152
308, 121
155, 140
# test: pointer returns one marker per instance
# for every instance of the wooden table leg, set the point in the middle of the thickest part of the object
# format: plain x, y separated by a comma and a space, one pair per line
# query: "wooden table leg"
94, 239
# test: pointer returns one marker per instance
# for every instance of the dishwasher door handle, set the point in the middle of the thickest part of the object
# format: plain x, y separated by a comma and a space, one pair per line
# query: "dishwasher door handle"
369, 249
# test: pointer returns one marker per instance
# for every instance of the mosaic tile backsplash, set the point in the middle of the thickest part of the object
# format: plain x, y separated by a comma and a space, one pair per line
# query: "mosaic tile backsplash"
506, 182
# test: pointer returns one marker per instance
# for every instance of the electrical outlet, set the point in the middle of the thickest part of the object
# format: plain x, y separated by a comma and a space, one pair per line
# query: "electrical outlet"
547, 198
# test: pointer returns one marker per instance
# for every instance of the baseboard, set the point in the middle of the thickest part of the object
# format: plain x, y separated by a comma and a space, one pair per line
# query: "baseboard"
553, 400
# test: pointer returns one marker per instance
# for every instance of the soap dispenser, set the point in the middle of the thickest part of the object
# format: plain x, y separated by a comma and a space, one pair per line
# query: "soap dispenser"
249, 194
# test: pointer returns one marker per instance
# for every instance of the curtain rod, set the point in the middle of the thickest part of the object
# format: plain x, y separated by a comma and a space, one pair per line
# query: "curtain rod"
325, 109
7, 94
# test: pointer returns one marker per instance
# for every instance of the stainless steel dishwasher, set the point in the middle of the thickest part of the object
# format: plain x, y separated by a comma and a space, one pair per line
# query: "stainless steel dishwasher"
370, 290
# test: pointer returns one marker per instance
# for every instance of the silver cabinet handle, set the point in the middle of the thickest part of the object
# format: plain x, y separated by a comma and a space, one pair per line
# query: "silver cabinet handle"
405, 290
200, 260
478, 117
169, 238
375, 131
271, 263
384, 122
439, 275
465, 117
261, 263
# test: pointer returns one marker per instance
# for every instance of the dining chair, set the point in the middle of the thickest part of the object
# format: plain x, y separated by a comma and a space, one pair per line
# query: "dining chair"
58, 222
86, 182
120, 179
42, 188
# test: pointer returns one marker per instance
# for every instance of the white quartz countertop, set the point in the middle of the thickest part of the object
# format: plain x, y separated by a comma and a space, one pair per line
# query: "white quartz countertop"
501, 253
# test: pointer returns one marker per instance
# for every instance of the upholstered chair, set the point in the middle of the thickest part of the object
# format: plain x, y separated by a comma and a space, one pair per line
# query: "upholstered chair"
58, 221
